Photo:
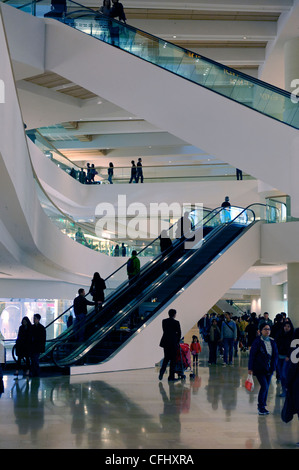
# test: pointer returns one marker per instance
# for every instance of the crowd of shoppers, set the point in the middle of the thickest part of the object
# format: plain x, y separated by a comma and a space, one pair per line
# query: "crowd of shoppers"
267, 342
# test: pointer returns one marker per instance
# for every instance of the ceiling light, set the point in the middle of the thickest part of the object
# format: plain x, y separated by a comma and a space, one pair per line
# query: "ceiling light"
174, 37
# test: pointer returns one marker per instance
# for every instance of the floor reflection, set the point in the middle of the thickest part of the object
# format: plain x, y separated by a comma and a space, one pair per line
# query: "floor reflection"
134, 410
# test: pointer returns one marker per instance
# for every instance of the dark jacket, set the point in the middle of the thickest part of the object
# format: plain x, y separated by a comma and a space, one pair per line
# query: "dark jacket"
259, 361
165, 244
117, 11
97, 289
293, 385
171, 333
80, 305
283, 342
24, 341
38, 338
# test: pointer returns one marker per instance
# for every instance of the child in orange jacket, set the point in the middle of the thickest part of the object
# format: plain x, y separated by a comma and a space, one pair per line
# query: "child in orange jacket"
195, 349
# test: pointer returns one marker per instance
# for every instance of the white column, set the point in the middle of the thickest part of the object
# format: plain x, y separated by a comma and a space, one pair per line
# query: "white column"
293, 293
291, 63
271, 298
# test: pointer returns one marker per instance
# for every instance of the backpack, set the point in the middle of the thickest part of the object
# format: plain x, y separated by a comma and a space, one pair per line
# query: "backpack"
130, 266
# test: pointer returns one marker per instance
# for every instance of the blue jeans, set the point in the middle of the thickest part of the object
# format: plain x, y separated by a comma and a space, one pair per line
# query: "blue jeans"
228, 345
35, 364
264, 381
282, 367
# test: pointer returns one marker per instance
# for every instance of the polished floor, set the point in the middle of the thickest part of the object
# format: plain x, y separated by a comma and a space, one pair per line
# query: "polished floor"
133, 410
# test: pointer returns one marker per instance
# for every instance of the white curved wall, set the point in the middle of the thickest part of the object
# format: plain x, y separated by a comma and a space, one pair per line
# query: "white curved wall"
31, 238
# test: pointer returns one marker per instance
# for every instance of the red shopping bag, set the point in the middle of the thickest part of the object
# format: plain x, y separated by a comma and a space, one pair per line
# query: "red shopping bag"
249, 384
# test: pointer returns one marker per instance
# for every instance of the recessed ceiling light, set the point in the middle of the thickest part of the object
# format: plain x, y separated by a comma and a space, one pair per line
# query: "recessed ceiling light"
174, 37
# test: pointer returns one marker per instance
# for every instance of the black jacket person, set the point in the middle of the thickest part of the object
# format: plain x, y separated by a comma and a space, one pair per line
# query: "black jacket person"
170, 343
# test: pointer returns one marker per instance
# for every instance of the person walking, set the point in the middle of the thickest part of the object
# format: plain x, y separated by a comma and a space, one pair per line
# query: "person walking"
195, 349
262, 363
265, 319
250, 332
133, 173
139, 173
38, 344
110, 173
228, 337
283, 342
133, 267
24, 345
239, 174
170, 343
214, 335
97, 288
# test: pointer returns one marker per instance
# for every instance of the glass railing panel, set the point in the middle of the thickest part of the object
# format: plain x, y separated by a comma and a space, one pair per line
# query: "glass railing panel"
246, 90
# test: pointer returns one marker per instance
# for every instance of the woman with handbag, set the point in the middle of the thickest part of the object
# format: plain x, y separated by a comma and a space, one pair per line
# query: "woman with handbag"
262, 363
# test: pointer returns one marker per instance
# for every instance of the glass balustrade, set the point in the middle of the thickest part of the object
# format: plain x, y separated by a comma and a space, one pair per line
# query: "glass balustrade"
244, 89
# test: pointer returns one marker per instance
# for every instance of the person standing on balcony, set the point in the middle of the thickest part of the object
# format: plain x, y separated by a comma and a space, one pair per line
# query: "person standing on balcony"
225, 214
110, 173
133, 173
139, 171
117, 11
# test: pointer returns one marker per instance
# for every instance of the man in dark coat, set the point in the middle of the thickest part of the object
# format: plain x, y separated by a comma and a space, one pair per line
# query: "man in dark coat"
38, 343
170, 343
80, 310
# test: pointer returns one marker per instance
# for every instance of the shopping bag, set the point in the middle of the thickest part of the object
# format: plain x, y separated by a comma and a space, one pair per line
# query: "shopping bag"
249, 384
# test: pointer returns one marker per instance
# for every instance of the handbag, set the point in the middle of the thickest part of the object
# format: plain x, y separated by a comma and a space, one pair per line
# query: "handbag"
249, 384
287, 409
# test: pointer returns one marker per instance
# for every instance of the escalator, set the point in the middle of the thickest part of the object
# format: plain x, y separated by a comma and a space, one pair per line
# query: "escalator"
126, 313
237, 86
